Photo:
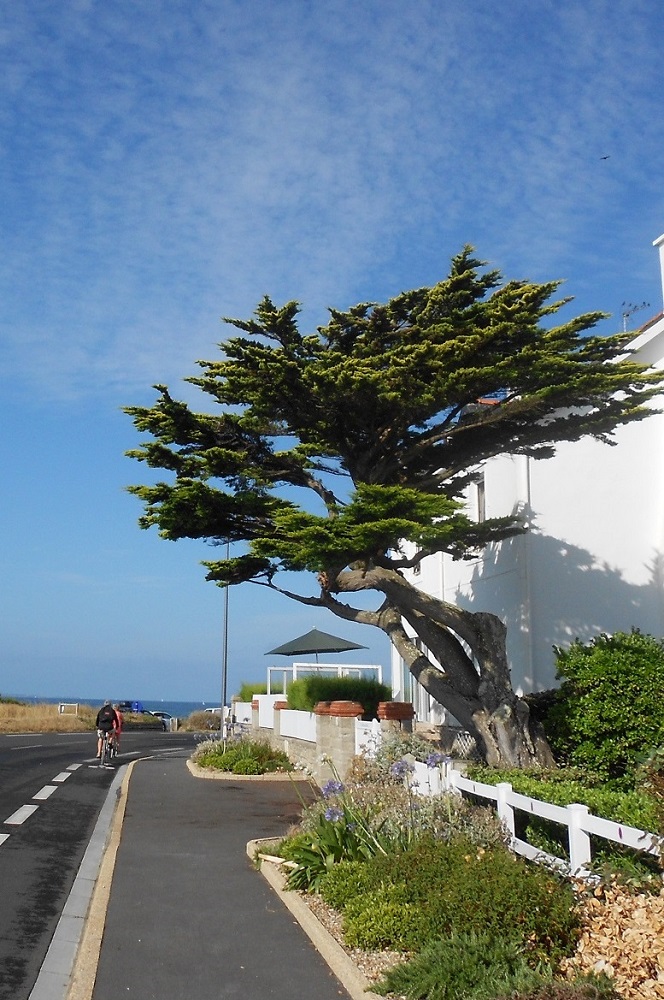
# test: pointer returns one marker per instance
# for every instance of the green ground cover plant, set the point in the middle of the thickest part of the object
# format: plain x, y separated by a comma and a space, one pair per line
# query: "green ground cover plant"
455, 886
464, 965
243, 756
469, 966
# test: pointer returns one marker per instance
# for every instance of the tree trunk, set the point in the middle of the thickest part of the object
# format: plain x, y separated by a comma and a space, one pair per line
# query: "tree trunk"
473, 680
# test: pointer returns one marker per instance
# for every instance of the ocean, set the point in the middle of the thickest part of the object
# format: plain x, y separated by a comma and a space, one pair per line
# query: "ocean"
178, 709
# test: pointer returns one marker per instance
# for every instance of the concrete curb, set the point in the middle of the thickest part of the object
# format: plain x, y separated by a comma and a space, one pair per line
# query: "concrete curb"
63, 956
350, 977
84, 972
209, 772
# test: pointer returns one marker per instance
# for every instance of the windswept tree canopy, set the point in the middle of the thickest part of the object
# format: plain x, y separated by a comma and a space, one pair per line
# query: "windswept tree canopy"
327, 451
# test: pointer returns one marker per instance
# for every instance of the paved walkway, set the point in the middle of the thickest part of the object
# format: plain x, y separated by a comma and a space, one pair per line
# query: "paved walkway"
183, 913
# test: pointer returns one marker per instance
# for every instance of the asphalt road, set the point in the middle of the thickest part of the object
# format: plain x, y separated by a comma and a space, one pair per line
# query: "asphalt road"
51, 792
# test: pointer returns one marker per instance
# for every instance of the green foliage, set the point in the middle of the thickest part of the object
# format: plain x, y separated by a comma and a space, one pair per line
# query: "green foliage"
358, 821
651, 775
589, 987
376, 766
469, 966
329, 449
305, 692
344, 882
608, 710
241, 756
456, 886
346, 835
463, 966
563, 786
247, 690
384, 918
339, 829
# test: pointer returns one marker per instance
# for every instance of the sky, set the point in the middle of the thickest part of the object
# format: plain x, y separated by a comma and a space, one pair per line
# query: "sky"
166, 164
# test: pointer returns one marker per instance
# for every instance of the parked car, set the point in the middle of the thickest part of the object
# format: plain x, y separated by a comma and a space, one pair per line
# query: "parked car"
165, 719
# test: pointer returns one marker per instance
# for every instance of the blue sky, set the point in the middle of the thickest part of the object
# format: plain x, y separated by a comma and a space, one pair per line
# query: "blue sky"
165, 164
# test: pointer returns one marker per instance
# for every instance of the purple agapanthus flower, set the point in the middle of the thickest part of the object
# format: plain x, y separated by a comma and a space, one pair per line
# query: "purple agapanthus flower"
434, 759
401, 768
333, 814
331, 788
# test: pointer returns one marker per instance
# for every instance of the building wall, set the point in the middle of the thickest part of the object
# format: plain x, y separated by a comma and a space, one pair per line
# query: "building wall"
592, 559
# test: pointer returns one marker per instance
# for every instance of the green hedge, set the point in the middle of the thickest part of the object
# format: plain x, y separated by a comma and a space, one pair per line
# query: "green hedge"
562, 787
304, 693
608, 710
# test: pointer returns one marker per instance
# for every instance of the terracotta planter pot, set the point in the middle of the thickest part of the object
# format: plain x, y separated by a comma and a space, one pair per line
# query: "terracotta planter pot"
346, 709
255, 705
395, 710
322, 708
280, 704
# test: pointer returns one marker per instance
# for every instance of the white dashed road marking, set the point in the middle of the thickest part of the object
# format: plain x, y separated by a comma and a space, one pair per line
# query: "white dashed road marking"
21, 815
45, 792
3, 838
62, 776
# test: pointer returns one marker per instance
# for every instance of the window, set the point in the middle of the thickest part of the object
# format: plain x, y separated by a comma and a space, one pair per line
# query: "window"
480, 498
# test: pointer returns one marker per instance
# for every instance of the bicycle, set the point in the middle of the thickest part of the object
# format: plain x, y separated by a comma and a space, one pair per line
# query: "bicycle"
106, 749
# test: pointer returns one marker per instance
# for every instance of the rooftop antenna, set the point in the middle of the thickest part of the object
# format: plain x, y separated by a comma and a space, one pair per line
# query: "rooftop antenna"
628, 309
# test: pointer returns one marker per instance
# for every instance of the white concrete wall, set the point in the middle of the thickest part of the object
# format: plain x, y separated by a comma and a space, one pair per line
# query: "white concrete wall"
593, 558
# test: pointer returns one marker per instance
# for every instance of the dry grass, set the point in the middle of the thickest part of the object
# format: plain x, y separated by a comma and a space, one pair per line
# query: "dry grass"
44, 718
200, 722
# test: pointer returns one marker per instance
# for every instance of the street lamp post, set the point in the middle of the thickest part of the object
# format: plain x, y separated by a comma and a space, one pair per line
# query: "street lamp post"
224, 658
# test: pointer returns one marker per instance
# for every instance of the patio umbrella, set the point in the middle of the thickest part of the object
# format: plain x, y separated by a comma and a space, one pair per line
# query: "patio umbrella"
315, 642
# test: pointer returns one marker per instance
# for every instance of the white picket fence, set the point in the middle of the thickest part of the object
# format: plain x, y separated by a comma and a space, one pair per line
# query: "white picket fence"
579, 821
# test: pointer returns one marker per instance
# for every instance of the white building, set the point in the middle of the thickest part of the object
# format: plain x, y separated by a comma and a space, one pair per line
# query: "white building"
592, 559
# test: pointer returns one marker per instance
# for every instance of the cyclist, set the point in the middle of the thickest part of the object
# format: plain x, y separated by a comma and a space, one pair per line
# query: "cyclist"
118, 731
106, 722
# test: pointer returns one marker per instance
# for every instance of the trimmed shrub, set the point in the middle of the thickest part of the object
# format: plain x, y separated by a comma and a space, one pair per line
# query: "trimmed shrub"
306, 692
241, 757
608, 708
567, 785
247, 690
384, 918
199, 722
458, 886
344, 882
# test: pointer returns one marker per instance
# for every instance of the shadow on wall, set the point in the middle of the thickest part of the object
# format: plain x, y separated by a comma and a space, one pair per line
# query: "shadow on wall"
550, 593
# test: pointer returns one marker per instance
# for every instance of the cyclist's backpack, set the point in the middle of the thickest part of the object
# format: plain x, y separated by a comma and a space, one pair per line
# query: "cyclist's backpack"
106, 715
